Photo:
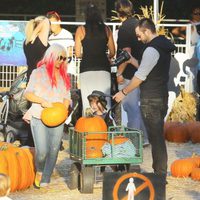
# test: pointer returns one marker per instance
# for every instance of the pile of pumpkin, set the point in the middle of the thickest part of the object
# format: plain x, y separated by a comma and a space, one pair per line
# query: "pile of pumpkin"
187, 167
96, 135
181, 132
18, 164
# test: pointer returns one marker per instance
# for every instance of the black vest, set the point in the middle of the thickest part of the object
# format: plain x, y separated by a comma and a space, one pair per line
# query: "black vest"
155, 85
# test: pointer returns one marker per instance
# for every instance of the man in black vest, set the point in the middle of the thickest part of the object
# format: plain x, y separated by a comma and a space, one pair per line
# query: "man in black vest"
152, 77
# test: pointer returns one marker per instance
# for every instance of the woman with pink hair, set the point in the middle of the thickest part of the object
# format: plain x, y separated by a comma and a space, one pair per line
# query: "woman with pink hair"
48, 83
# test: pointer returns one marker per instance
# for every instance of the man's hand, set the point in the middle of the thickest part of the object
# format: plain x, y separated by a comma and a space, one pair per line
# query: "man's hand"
132, 61
118, 96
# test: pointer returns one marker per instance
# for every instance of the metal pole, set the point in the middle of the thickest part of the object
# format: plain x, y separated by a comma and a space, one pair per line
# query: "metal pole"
155, 10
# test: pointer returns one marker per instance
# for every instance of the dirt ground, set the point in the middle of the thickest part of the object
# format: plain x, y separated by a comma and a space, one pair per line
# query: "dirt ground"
176, 189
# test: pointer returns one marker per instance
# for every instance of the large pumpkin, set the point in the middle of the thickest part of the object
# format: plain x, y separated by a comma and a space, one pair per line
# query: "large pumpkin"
195, 174
176, 132
195, 132
93, 148
182, 167
18, 164
120, 139
54, 116
92, 125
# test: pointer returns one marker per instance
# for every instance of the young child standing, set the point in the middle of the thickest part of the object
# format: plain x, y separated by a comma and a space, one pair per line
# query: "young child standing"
4, 187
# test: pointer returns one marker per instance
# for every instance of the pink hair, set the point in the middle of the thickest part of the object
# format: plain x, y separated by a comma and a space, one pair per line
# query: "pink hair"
49, 62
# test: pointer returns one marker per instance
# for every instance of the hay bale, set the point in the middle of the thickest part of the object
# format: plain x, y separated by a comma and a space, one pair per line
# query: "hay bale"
184, 107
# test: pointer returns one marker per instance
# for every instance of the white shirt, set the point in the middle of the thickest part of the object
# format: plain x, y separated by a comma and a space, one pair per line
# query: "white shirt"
64, 38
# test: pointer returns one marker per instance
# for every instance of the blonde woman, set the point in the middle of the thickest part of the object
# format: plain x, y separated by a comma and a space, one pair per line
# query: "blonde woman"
37, 32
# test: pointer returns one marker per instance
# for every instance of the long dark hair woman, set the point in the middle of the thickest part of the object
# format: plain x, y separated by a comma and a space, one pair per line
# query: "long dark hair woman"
95, 45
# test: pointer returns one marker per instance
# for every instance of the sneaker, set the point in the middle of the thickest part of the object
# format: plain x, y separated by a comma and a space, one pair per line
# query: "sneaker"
38, 177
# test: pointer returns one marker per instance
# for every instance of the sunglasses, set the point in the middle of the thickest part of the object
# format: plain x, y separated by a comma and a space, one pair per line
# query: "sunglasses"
62, 58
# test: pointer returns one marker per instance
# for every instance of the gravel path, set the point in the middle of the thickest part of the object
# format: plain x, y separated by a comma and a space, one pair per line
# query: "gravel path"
177, 189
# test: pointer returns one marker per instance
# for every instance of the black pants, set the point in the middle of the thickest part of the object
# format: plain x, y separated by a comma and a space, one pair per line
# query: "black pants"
154, 112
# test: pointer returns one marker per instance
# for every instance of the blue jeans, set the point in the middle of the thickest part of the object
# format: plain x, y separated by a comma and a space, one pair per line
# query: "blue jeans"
132, 108
154, 111
47, 144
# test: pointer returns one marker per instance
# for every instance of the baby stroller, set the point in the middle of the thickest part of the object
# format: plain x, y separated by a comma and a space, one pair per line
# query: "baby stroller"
12, 108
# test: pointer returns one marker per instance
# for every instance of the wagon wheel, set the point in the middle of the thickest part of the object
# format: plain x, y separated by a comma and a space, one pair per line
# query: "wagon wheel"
146, 184
10, 136
87, 179
74, 175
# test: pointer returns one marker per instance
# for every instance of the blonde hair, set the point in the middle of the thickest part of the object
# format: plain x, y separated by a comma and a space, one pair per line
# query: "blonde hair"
30, 27
4, 184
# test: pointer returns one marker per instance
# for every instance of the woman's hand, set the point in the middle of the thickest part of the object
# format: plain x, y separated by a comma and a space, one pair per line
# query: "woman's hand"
46, 104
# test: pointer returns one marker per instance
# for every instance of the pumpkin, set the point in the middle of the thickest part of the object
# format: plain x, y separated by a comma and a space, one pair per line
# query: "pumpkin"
176, 132
93, 148
196, 159
118, 140
18, 164
92, 125
195, 132
195, 174
182, 167
54, 116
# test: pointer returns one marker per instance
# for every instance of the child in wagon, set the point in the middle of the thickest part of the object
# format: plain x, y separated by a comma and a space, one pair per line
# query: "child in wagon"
98, 103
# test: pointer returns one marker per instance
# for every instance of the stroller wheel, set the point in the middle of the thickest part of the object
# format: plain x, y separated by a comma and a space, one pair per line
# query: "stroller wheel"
10, 137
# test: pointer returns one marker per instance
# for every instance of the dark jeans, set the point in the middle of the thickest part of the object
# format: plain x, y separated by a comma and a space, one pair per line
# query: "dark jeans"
154, 111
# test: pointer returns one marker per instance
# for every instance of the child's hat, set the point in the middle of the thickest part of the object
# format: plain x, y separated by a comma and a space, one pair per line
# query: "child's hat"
100, 95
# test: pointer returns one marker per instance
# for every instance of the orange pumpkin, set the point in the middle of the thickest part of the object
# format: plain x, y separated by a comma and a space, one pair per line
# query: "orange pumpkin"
92, 125
195, 134
118, 140
196, 159
18, 165
93, 148
54, 116
176, 132
195, 174
182, 167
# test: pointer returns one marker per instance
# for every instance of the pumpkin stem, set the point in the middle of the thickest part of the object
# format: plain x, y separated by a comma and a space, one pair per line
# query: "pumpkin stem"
194, 155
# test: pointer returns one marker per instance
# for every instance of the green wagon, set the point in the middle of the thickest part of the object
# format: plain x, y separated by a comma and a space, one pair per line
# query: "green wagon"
82, 172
